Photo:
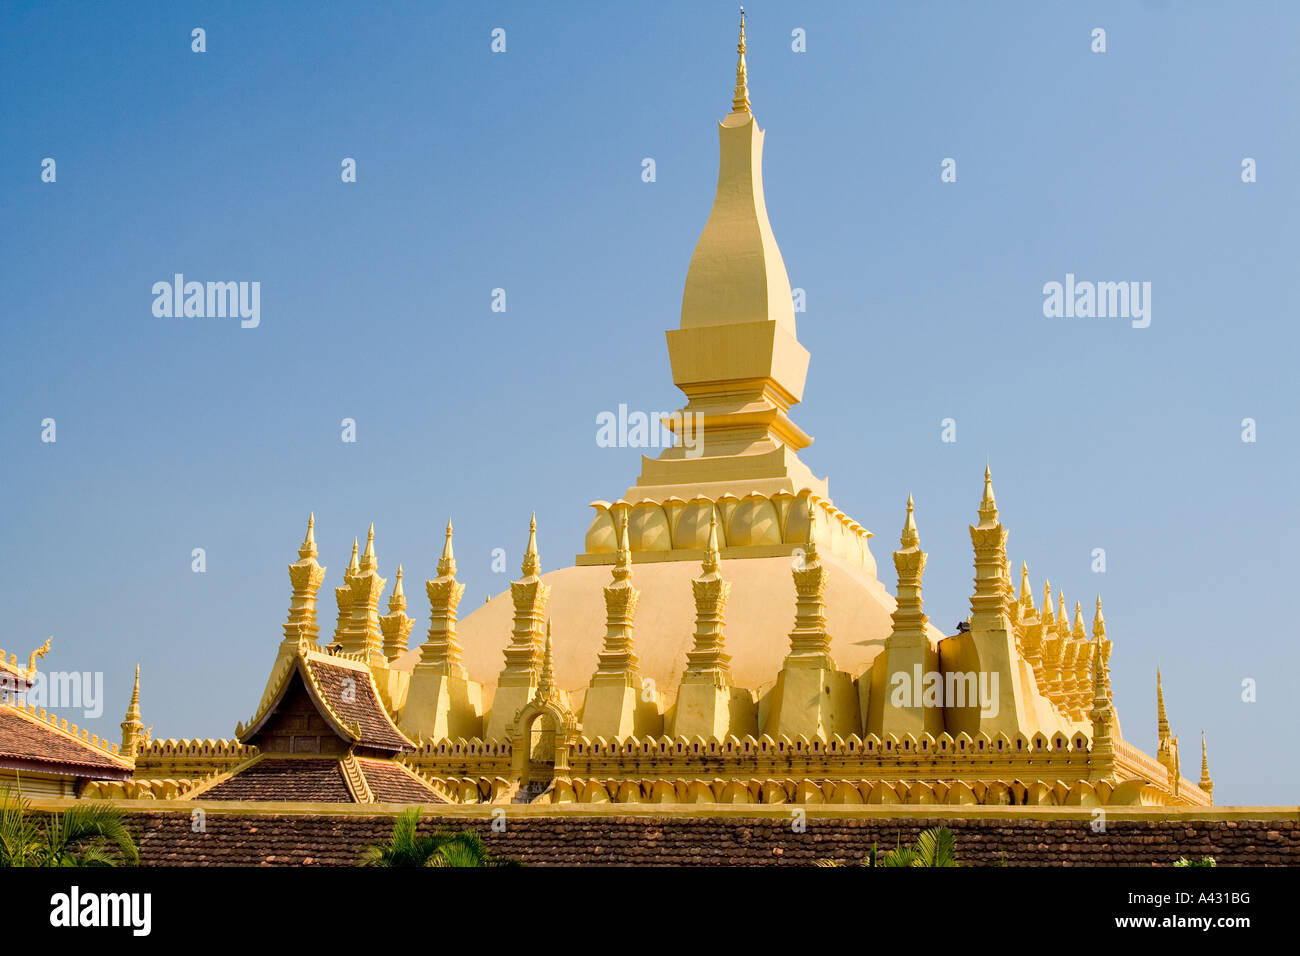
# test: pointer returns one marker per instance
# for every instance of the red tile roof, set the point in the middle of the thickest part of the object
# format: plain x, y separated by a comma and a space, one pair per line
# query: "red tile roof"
390, 782
288, 779
26, 737
350, 692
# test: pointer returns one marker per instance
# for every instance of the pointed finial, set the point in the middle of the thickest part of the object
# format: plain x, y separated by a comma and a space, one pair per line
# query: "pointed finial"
1162, 719
740, 99
134, 709
546, 683
308, 547
352, 565
810, 540
1098, 622
1047, 600
532, 563
1206, 783
711, 554
910, 538
447, 563
397, 600
1079, 633
368, 562
1026, 593
623, 556
988, 505
1061, 619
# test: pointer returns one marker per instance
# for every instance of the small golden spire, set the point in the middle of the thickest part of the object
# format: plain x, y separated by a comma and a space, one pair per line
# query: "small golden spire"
1047, 601
1079, 633
368, 561
397, 600
810, 540
712, 555
546, 683
1026, 593
532, 563
740, 99
1206, 783
623, 556
910, 538
1098, 622
447, 563
134, 735
133, 709
1062, 621
353, 567
1162, 719
988, 505
308, 548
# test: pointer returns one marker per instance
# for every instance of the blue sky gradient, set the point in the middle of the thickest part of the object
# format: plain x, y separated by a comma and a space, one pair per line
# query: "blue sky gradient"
522, 170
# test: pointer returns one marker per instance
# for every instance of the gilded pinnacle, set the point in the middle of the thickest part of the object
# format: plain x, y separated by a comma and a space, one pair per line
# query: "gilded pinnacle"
1079, 632
910, 538
1026, 593
623, 556
1098, 622
368, 561
546, 683
988, 505
810, 545
133, 710
447, 563
711, 553
352, 565
532, 563
308, 548
397, 600
1162, 719
740, 98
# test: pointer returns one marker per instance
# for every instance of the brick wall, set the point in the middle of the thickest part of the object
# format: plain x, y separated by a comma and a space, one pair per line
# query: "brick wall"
321, 839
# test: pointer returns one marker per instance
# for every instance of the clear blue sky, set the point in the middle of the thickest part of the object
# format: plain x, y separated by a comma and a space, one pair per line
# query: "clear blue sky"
523, 171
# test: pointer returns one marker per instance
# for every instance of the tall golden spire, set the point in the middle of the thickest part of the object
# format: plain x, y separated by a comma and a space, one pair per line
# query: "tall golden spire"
396, 625
1206, 783
306, 575
617, 659
441, 646
523, 655
740, 99
133, 735
1166, 746
1162, 720
909, 618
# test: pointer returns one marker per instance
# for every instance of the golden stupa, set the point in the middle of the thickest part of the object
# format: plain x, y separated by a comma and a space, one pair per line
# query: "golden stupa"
723, 638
